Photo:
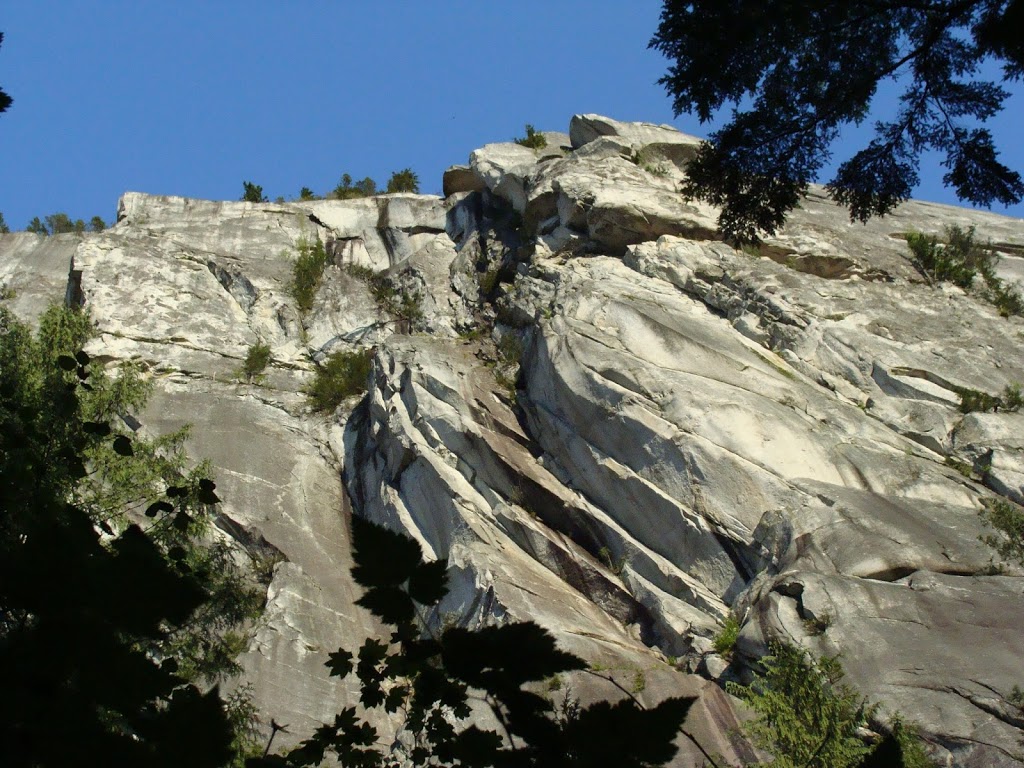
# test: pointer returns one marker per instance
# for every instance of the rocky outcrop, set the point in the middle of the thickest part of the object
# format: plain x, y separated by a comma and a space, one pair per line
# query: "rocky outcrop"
606, 418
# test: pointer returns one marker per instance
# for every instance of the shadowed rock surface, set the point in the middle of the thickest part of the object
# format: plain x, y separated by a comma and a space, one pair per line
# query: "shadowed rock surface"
609, 421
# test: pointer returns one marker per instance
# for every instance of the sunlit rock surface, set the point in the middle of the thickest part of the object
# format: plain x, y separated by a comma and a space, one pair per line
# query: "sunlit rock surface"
609, 421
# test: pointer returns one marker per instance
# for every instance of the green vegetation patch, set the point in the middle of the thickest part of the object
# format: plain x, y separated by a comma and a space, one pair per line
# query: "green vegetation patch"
307, 273
256, 360
976, 401
342, 375
726, 638
807, 717
533, 139
1008, 519
959, 260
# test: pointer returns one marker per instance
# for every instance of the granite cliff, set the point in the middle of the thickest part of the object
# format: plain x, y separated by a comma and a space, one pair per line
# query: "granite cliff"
610, 422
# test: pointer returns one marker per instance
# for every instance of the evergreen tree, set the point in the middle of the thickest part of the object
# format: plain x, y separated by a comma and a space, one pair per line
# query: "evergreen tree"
798, 72
37, 227
253, 193
60, 223
107, 632
806, 717
404, 180
4, 229
97, 224
346, 190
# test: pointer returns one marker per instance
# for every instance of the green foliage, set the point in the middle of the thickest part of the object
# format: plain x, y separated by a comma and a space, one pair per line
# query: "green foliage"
97, 224
252, 193
405, 306
1008, 519
510, 349
959, 260
346, 190
488, 281
59, 224
307, 272
805, 716
6, 292
256, 360
404, 180
974, 400
615, 565
533, 139
107, 631
342, 375
817, 625
4, 229
808, 718
955, 262
359, 272
306, 194
431, 677
789, 106
121, 483
727, 636
910, 747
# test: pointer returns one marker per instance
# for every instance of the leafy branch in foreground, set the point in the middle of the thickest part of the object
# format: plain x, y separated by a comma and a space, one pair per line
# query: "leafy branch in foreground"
790, 103
427, 679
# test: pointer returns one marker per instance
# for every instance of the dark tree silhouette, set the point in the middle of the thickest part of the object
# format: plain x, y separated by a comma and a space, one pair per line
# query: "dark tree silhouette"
5, 100
108, 632
81, 606
796, 72
430, 677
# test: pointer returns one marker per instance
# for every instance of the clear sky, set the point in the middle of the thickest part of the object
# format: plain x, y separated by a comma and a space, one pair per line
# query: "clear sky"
192, 98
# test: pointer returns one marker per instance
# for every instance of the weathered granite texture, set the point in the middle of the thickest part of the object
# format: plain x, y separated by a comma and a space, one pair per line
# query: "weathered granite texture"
609, 420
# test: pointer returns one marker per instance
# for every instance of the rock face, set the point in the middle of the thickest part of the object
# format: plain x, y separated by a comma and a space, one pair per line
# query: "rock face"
607, 419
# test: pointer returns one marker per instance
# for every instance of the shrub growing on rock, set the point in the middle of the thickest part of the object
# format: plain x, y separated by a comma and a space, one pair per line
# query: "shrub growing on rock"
726, 638
256, 360
307, 273
959, 260
342, 375
1007, 518
533, 139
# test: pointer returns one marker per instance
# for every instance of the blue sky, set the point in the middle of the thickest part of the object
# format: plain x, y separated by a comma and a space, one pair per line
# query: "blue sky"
191, 98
